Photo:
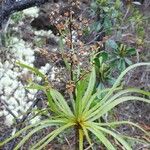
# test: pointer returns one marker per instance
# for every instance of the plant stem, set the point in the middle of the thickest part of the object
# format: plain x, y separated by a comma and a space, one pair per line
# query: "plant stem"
76, 138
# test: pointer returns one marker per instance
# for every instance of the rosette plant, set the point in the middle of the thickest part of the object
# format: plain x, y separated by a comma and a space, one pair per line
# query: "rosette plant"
103, 70
121, 56
84, 114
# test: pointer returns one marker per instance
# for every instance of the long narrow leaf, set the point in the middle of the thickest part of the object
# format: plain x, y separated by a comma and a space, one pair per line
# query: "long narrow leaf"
101, 137
61, 102
87, 136
53, 107
29, 127
120, 78
89, 90
122, 123
117, 137
25, 138
121, 93
52, 135
134, 139
100, 112
80, 90
16, 134
97, 106
128, 91
93, 97
33, 69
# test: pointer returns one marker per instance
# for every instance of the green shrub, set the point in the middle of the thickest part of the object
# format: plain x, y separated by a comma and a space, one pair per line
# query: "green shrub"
84, 113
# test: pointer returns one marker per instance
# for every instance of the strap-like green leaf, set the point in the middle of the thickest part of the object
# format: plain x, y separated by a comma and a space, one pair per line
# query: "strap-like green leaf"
121, 123
33, 85
101, 137
17, 134
51, 136
33, 69
117, 95
99, 104
100, 112
128, 91
89, 90
61, 102
117, 137
53, 107
120, 78
93, 97
25, 138
87, 136
134, 139
80, 90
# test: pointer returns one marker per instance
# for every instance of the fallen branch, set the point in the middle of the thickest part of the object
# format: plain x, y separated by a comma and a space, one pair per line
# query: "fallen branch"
8, 7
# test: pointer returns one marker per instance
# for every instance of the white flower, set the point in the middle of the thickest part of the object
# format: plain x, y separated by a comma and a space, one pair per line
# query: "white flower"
29, 104
11, 65
9, 120
38, 79
28, 52
9, 83
6, 81
11, 107
14, 131
32, 91
5, 113
3, 97
8, 90
15, 40
16, 69
30, 96
137, 3
6, 65
52, 76
25, 71
12, 74
30, 59
19, 108
31, 12
1, 92
13, 102
14, 84
55, 49
1, 73
20, 23
45, 68
19, 94
43, 33
1, 65
49, 32
38, 32
14, 111
1, 113
22, 104
16, 28
35, 120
